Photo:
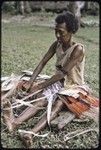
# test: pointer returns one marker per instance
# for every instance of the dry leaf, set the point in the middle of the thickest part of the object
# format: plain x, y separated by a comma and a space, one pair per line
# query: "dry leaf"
31, 132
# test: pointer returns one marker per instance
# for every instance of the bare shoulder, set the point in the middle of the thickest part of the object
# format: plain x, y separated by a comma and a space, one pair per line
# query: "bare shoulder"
78, 52
79, 48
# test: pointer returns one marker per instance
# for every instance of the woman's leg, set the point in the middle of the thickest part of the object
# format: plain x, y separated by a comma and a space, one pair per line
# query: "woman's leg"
27, 138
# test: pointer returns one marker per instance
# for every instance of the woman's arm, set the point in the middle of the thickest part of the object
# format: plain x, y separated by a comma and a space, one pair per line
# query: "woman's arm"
43, 62
76, 56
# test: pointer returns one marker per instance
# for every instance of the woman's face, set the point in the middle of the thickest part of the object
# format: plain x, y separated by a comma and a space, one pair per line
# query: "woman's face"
61, 33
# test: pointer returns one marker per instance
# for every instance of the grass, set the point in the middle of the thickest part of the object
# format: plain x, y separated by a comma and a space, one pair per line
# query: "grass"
23, 46
26, 44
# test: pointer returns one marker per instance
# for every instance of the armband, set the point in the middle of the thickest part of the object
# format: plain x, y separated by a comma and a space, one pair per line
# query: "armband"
65, 72
61, 69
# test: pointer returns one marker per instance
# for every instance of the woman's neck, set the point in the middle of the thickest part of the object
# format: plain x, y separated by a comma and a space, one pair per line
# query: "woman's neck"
65, 46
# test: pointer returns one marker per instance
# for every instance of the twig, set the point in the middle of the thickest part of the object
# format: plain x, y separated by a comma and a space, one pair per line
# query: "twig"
41, 115
28, 96
66, 138
10, 92
3, 130
28, 103
23, 102
31, 132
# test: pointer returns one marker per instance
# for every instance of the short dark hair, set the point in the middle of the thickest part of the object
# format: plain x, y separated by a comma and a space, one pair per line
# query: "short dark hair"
71, 21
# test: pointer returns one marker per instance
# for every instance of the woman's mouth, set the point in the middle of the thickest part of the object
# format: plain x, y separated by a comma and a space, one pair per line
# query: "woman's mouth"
59, 41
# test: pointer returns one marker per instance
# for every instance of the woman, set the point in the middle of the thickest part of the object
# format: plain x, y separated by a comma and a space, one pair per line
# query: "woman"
69, 68
70, 55
69, 71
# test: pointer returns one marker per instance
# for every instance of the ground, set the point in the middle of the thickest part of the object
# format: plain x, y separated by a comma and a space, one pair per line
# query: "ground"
24, 42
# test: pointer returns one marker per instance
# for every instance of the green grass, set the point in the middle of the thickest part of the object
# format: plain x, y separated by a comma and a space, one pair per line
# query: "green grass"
90, 18
23, 46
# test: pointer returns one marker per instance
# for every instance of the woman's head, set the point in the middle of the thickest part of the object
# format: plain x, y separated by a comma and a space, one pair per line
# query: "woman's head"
66, 25
70, 20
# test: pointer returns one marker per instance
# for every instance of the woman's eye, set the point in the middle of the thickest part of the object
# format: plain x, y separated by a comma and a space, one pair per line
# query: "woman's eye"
62, 34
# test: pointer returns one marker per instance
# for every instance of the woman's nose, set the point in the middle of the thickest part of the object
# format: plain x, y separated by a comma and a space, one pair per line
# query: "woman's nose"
57, 35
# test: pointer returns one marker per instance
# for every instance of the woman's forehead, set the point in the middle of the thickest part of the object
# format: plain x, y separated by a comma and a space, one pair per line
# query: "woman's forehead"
61, 26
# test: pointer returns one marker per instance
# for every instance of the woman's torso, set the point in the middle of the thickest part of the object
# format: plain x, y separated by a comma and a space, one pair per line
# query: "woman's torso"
76, 75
